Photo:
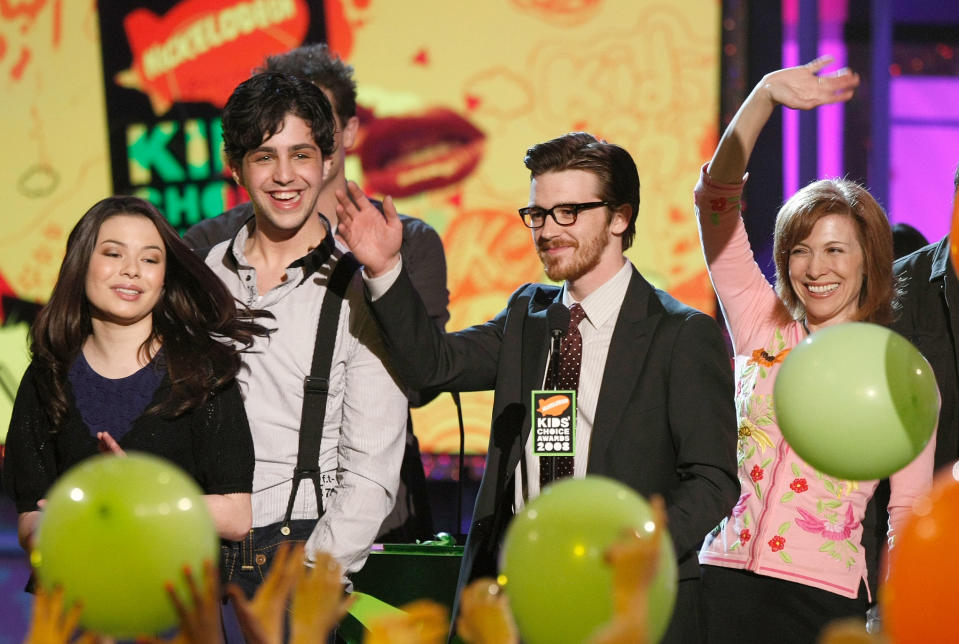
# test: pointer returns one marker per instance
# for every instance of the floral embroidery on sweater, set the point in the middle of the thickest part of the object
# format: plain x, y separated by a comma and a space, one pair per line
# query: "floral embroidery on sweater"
718, 205
757, 455
835, 530
756, 412
742, 514
827, 522
778, 542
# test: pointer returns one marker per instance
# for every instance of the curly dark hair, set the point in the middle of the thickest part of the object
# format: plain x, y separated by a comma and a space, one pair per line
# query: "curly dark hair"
258, 106
322, 67
196, 319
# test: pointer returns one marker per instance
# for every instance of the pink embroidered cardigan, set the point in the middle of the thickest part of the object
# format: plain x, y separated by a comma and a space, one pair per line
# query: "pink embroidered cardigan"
791, 521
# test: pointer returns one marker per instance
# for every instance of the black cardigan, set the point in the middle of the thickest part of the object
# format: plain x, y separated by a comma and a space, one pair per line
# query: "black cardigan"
211, 443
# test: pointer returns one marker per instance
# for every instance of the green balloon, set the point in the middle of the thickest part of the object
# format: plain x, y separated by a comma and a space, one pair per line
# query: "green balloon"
856, 401
114, 532
558, 584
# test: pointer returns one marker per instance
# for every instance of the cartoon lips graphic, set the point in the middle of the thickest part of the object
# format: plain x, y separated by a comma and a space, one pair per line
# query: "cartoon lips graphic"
553, 406
406, 155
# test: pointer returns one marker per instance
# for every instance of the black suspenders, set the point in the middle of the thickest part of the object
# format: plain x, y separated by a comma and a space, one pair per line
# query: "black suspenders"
316, 386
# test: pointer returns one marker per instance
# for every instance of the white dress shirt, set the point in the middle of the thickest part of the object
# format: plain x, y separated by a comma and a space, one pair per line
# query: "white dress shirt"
602, 308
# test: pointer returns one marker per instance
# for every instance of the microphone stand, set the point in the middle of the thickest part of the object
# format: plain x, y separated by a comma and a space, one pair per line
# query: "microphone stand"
556, 343
462, 464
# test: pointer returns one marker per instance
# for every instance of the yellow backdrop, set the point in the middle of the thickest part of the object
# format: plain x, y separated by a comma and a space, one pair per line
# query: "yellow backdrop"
640, 73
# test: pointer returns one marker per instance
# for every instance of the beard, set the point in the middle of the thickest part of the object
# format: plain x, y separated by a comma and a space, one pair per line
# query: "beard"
584, 258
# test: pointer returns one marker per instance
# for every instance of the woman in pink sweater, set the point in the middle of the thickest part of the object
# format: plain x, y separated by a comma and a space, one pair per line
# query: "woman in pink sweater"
789, 559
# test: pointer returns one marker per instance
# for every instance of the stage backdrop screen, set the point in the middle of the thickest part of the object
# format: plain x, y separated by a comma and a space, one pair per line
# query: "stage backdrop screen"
126, 97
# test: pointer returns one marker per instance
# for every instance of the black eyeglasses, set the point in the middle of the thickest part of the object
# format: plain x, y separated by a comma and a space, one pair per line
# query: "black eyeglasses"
563, 214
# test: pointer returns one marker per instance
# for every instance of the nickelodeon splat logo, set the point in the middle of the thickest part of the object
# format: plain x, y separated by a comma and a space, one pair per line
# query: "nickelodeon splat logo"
554, 422
554, 405
201, 49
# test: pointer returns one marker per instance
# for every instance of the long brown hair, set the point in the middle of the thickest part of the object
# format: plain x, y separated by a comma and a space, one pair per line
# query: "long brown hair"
196, 319
795, 222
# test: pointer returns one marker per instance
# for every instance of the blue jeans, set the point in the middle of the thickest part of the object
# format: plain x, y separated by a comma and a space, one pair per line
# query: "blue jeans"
245, 563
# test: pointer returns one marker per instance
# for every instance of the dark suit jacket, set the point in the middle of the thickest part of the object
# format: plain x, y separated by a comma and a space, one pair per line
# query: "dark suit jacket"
665, 421
929, 317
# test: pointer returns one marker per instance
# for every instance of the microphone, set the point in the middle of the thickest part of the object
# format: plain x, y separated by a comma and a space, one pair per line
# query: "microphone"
557, 316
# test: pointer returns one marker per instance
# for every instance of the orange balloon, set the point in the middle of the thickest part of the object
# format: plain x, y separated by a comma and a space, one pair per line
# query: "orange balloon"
921, 593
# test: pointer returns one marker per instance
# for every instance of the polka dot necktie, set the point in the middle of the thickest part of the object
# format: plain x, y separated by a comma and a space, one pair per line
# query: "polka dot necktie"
570, 359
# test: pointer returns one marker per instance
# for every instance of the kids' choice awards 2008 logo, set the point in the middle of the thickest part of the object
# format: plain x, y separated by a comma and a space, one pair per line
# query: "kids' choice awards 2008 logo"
554, 422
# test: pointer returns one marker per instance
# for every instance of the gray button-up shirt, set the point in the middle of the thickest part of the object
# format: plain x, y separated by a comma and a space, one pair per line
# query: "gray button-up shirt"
365, 425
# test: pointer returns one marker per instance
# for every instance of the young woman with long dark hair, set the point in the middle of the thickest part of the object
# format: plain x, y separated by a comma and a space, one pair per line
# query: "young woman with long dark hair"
137, 349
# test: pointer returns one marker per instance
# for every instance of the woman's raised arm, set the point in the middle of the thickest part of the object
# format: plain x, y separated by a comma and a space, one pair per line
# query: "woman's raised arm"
800, 87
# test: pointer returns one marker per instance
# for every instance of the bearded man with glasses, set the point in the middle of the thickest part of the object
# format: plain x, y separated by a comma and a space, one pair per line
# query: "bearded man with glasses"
654, 387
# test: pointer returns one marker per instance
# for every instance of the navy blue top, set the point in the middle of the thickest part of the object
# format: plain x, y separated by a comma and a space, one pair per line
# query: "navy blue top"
111, 405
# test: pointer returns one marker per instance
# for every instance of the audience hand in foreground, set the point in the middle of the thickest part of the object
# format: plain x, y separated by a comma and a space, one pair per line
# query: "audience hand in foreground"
634, 560
484, 616
261, 619
50, 623
200, 620
318, 602
422, 622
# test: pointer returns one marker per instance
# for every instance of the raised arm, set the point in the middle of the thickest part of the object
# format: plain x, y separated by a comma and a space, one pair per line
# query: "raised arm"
800, 87
373, 238
749, 302
425, 262
425, 259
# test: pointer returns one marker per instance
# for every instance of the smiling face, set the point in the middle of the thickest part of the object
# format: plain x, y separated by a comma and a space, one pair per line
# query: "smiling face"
588, 252
826, 271
125, 276
283, 177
